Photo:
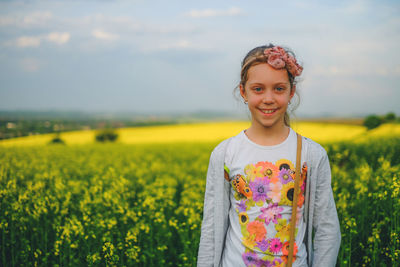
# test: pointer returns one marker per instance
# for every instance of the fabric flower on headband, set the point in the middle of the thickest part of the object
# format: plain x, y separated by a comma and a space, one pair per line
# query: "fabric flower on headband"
279, 59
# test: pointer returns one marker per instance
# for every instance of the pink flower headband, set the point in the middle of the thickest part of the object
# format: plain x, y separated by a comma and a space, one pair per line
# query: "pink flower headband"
279, 59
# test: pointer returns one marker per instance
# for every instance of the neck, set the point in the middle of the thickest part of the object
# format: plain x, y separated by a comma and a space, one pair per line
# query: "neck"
267, 136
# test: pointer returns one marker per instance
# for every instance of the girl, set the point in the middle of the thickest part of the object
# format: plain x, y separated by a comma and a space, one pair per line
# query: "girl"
251, 177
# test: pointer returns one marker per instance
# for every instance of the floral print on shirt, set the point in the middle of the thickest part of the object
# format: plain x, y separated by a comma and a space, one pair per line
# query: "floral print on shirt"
268, 187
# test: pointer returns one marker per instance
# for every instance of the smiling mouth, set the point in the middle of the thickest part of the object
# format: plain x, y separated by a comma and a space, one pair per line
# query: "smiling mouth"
268, 111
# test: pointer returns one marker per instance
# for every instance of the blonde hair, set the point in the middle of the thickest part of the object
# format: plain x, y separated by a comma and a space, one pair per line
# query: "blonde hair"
256, 56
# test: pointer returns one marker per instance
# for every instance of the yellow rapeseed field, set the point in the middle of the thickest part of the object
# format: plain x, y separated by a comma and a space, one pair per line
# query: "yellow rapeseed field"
139, 201
211, 132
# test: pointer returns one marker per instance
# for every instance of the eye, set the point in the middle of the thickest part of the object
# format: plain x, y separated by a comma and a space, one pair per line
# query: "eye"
280, 88
257, 89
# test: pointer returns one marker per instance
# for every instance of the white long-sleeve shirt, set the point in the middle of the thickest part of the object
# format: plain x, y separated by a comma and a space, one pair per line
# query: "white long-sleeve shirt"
259, 220
320, 213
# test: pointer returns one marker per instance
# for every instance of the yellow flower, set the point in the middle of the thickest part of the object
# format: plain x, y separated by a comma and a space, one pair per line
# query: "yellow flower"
287, 194
252, 172
243, 218
249, 242
283, 230
284, 163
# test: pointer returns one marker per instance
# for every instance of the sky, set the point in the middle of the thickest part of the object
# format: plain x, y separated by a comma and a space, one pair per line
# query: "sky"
184, 56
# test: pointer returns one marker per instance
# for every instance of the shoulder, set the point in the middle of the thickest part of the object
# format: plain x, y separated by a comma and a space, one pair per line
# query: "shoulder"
316, 150
222, 147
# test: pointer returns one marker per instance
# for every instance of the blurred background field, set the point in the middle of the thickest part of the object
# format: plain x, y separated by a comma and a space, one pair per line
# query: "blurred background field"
138, 201
211, 132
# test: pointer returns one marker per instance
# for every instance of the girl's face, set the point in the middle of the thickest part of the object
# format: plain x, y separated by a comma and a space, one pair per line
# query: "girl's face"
268, 93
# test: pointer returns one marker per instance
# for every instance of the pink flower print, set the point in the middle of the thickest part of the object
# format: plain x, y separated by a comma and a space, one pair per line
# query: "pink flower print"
259, 187
275, 245
274, 192
285, 176
250, 258
276, 50
278, 58
274, 179
263, 245
275, 61
293, 67
276, 262
241, 206
271, 213
264, 263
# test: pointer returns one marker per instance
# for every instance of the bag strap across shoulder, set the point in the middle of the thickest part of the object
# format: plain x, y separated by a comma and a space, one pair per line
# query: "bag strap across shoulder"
294, 205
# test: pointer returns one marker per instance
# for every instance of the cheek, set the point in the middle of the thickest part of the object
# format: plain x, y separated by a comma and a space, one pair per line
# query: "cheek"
254, 100
284, 99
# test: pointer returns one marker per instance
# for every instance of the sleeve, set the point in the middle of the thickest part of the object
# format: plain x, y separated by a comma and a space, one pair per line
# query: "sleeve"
206, 247
326, 225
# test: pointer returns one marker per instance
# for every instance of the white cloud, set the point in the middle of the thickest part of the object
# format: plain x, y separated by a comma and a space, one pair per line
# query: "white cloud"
354, 70
30, 64
58, 37
37, 18
100, 18
6, 20
120, 26
182, 44
195, 13
28, 41
356, 7
396, 71
102, 35
34, 19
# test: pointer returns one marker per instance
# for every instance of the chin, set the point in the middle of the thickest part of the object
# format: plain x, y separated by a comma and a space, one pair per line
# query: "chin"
268, 124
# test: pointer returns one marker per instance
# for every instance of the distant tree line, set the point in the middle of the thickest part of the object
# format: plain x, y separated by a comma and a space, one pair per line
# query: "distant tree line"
16, 127
106, 135
10, 128
373, 121
102, 136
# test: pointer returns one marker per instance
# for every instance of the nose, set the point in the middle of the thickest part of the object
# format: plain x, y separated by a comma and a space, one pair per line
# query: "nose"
268, 97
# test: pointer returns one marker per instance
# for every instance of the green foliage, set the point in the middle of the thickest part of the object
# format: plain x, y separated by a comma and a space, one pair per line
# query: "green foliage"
101, 205
390, 117
372, 121
57, 139
365, 181
141, 205
107, 134
25, 124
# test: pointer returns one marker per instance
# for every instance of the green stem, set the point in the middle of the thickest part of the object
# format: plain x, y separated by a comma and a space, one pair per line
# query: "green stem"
350, 251
12, 243
3, 247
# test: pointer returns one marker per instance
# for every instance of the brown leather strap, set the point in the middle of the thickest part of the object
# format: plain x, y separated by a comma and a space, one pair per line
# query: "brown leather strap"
294, 206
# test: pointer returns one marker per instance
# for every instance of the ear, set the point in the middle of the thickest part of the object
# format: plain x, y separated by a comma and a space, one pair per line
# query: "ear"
242, 92
292, 91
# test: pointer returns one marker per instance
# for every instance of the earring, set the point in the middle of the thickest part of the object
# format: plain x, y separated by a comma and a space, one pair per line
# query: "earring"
245, 102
